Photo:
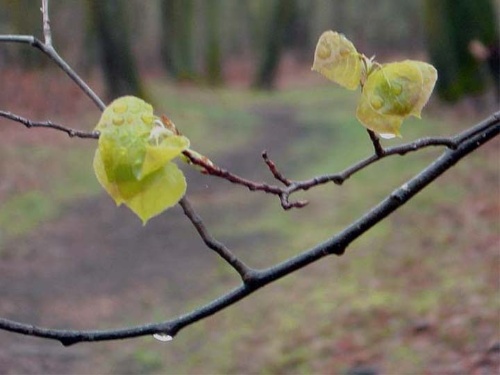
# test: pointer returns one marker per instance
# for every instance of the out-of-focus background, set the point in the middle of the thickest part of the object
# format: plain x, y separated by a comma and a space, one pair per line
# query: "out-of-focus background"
417, 294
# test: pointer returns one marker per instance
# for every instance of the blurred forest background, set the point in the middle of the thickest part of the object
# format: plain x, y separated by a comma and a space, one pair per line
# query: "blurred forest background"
218, 42
417, 294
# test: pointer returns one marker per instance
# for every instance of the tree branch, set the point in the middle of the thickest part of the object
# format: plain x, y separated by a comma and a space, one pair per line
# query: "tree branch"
49, 125
284, 192
50, 51
379, 150
458, 146
221, 249
47, 33
337, 244
274, 170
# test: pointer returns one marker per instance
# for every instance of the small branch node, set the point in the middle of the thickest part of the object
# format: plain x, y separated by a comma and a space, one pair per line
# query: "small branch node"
337, 180
287, 205
218, 247
69, 341
379, 150
252, 278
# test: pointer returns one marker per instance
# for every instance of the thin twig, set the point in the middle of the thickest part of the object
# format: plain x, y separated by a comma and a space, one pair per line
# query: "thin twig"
49, 125
214, 170
49, 50
54, 56
458, 147
337, 244
379, 150
284, 193
274, 170
291, 186
221, 249
47, 33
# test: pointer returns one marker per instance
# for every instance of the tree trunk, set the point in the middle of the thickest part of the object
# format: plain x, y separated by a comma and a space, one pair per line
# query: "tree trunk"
24, 17
120, 71
283, 13
213, 69
451, 26
177, 19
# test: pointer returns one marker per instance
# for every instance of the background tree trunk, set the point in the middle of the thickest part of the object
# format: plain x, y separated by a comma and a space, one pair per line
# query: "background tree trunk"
283, 13
177, 20
451, 26
213, 70
24, 18
112, 32
167, 35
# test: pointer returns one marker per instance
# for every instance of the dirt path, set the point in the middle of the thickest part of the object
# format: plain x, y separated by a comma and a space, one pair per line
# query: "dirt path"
95, 261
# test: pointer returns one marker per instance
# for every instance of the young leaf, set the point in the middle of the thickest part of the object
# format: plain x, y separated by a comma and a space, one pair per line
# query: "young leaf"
160, 152
160, 190
133, 160
337, 59
148, 197
393, 92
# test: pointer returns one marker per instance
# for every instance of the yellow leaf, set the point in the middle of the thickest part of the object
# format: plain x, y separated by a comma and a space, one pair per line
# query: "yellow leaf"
147, 197
133, 159
100, 173
126, 110
160, 190
337, 59
393, 92
158, 154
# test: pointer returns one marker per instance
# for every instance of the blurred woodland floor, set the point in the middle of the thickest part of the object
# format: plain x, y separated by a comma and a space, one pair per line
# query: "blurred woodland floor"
419, 295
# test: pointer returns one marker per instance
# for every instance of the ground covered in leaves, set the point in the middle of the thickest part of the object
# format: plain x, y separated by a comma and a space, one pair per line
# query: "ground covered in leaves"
418, 294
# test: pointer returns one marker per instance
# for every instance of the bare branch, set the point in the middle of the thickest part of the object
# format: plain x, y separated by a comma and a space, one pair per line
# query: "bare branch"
379, 150
22, 39
221, 249
337, 244
274, 170
338, 178
47, 33
48, 49
54, 56
284, 192
49, 125
458, 146
214, 170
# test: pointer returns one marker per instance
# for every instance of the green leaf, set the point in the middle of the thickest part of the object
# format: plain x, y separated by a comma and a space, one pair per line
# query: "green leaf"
149, 196
159, 191
336, 58
393, 92
390, 92
158, 154
133, 159
123, 149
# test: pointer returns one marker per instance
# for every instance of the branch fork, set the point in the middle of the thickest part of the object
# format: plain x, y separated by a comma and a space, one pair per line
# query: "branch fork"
457, 147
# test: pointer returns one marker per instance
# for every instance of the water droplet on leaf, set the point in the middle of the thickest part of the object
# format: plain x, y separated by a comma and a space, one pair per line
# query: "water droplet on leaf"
397, 89
147, 118
336, 58
344, 52
120, 107
377, 102
118, 120
163, 337
324, 52
387, 135
132, 170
